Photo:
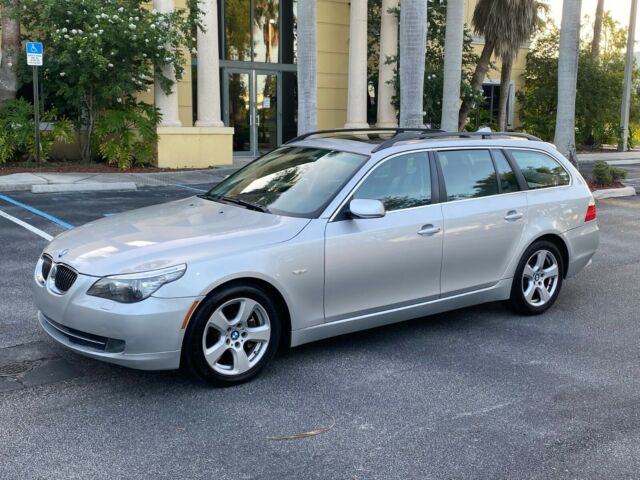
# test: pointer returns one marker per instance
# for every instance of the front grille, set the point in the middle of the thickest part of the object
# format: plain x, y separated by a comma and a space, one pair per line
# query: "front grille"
46, 266
65, 277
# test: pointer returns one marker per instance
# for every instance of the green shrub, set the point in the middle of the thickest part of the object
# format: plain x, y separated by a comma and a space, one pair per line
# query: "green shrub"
17, 131
604, 174
617, 174
127, 136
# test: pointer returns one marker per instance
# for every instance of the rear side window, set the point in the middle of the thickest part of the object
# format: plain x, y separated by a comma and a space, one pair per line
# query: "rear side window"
539, 169
400, 182
468, 174
507, 178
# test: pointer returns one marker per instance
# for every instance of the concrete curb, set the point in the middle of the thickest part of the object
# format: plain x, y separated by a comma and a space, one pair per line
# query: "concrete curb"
614, 193
15, 187
82, 187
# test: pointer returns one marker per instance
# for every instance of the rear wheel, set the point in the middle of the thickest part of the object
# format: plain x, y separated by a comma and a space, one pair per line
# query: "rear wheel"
538, 279
233, 335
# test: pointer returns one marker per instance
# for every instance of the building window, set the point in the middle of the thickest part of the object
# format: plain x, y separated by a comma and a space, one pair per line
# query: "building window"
487, 113
259, 30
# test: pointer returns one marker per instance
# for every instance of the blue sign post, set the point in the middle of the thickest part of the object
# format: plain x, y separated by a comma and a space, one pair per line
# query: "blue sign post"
34, 58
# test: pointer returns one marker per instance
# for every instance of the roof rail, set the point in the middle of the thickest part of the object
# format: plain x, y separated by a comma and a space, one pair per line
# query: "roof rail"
395, 131
441, 135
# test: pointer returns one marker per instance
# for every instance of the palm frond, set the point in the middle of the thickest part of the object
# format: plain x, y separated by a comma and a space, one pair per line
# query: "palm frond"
508, 24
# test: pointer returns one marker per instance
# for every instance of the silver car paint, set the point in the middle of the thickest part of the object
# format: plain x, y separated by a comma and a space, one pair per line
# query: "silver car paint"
221, 243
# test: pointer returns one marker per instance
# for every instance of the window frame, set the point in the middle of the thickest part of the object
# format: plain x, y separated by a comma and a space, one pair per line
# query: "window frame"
514, 163
341, 213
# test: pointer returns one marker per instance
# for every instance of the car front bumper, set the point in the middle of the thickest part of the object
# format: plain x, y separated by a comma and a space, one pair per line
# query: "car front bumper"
146, 335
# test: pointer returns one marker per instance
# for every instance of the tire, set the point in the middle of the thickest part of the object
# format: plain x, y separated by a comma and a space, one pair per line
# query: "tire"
236, 319
536, 284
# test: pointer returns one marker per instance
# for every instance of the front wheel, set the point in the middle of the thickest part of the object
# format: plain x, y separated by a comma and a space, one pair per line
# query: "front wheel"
538, 279
233, 335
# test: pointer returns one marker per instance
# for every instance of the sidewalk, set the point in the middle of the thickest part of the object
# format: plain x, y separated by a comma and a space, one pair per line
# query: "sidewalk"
49, 182
613, 158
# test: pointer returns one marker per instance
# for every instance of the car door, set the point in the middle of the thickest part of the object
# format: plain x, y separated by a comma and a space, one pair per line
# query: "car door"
484, 217
380, 263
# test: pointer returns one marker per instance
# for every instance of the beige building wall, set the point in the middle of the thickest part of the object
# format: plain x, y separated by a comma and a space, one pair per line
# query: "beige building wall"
333, 62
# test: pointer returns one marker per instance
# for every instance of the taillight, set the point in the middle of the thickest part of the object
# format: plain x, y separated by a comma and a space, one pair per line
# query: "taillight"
591, 212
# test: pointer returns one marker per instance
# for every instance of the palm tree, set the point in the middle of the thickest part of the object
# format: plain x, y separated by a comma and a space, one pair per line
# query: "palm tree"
413, 44
505, 26
454, 42
10, 50
565, 137
597, 30
307, 96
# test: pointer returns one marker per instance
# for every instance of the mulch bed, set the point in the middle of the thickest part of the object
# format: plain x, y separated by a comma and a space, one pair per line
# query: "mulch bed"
593, 186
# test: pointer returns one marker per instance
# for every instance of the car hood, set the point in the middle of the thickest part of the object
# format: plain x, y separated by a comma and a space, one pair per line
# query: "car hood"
168, 234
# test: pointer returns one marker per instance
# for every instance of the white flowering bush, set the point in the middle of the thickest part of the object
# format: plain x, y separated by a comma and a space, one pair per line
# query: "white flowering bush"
100, 54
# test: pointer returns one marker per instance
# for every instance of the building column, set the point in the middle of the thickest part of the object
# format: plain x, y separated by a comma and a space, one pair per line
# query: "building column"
167, 103
388, 48
357, 92
209, 67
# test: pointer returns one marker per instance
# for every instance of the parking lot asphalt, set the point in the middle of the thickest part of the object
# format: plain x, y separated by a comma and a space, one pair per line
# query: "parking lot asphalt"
474, 393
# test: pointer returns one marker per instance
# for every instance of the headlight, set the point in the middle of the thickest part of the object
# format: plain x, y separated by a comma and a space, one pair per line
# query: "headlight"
135, 287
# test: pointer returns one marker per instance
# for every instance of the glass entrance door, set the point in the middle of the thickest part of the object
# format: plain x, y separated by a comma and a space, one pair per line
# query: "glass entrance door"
251, 107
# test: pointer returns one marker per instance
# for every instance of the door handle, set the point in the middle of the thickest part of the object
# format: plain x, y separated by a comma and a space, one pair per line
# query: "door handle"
428, 230
512, 216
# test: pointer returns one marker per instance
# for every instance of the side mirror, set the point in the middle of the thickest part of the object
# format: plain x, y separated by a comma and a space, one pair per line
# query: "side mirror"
366, 208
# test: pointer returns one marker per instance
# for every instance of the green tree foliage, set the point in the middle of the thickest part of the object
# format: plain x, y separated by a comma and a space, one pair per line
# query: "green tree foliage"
599, 90
101, 54
434, 67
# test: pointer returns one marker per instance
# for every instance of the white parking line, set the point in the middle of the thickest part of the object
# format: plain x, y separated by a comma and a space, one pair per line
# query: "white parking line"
31, 228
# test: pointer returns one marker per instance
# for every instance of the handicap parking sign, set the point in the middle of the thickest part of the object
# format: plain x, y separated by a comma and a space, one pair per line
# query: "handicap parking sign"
34, 53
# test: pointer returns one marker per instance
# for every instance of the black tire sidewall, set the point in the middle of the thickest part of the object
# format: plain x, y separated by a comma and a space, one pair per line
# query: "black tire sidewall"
192, 354
518, 301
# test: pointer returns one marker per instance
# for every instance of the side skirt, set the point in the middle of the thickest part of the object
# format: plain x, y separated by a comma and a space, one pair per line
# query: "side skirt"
497, 292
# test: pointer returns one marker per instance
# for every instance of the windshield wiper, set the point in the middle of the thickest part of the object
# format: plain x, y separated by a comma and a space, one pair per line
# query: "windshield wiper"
237, 201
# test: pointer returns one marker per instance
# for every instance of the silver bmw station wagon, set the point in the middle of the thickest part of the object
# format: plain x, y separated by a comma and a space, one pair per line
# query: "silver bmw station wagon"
333, 232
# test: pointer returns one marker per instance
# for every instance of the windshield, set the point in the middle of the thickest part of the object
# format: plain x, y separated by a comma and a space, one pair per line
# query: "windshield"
293, 181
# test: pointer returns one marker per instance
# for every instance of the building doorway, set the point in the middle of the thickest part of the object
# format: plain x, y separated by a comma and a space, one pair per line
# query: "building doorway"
252, 106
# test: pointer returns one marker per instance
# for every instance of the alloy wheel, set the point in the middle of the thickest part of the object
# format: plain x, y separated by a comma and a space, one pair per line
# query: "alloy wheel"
540, 278
236, 336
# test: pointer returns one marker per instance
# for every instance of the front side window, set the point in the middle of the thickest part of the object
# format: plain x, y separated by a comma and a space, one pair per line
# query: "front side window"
294, 181
539, 169
400, 182
468, 174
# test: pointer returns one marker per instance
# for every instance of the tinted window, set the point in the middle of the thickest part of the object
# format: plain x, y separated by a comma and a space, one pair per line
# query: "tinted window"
539, 169
293, 181
508, 182
468, 174
400, 182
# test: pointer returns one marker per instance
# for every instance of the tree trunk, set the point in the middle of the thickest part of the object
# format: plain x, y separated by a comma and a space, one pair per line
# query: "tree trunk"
387, 115
413, 44
565, 136
597, 30
505, 87
454, 43
307, 61
86, 151
10, 51
476, 82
